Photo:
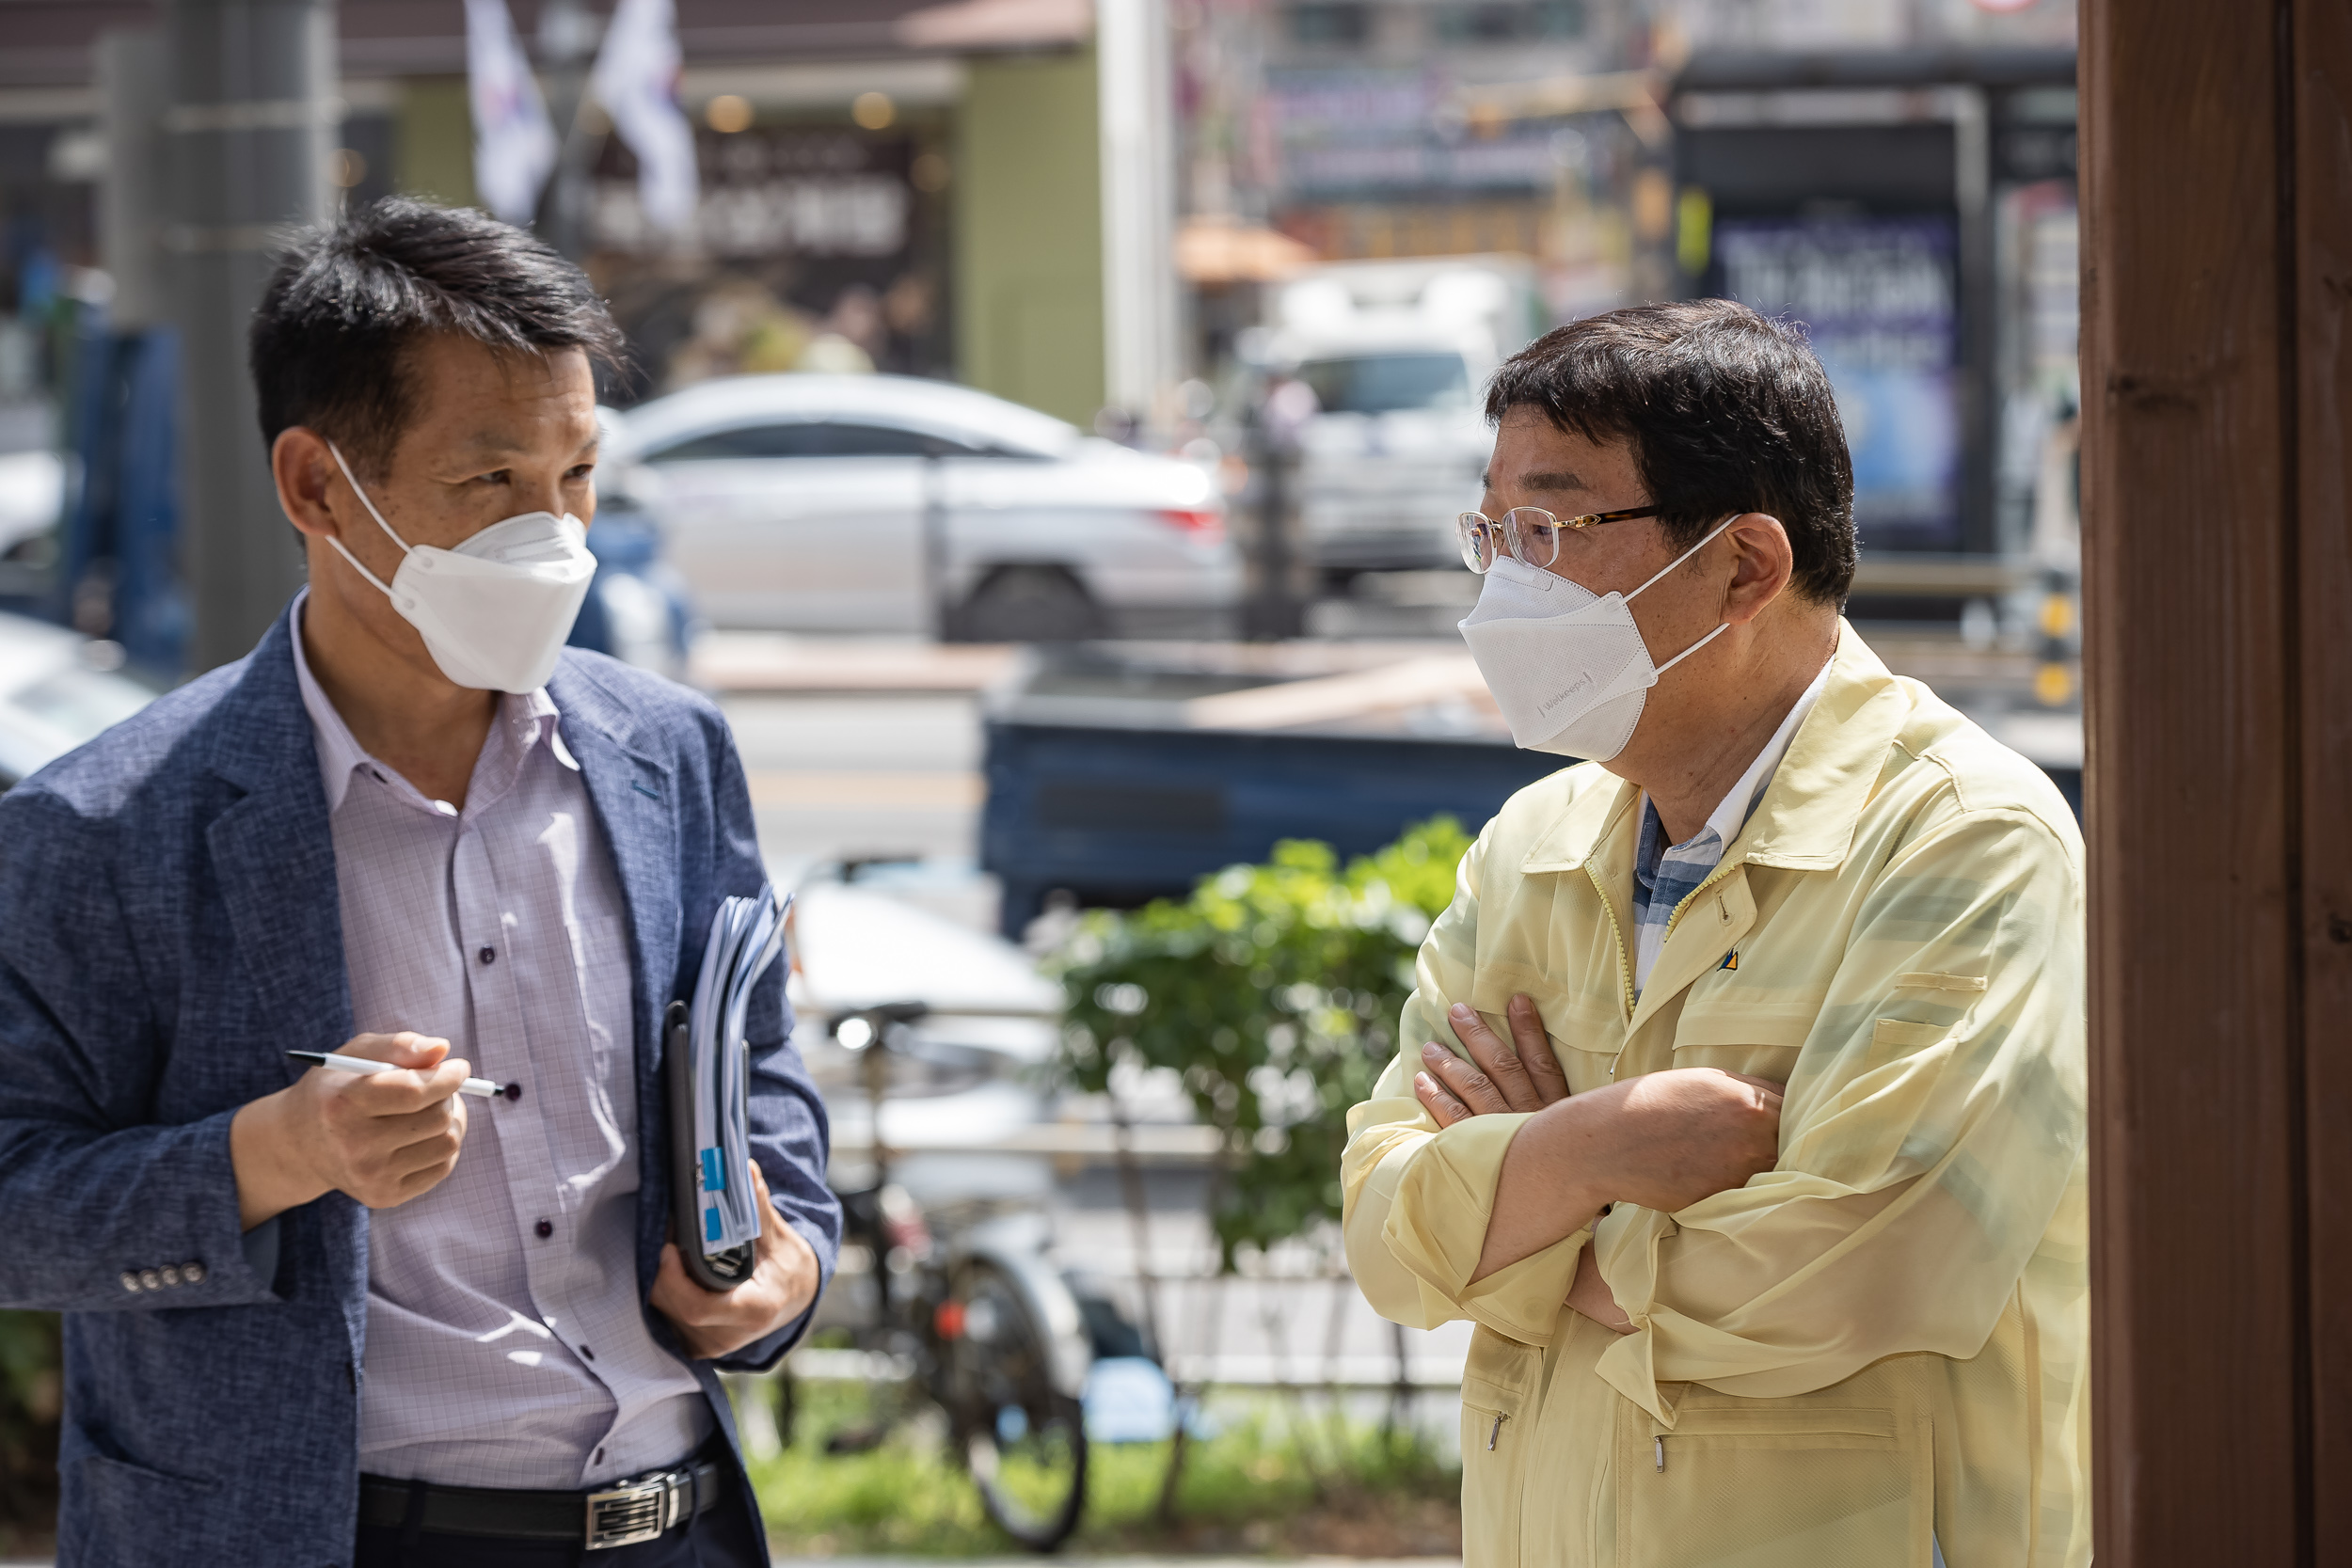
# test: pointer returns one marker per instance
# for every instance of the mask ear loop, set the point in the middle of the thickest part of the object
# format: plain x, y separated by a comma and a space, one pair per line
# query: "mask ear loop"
1695, 647
1670, 565
381, 585
1638, 592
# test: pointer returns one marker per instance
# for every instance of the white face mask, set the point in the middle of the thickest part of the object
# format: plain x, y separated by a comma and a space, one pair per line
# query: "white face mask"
494, 611
1567, 668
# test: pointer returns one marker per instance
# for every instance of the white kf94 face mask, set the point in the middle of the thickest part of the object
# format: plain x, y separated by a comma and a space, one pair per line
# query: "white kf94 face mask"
1567, 666
494, 611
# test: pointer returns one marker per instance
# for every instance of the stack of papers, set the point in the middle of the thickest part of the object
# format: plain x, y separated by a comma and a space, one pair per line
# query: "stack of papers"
745, 937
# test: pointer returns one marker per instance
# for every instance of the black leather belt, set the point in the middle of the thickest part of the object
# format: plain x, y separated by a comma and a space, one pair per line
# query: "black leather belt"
639, 1509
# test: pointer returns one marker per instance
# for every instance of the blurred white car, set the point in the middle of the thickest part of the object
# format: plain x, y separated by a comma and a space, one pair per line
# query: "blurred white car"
889, 503
58, 689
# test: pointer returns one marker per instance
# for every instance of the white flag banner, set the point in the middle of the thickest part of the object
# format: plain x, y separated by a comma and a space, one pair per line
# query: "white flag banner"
513, 143
636, 80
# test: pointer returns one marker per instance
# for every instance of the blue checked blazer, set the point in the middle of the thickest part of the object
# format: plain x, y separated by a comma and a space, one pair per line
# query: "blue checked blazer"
169, 928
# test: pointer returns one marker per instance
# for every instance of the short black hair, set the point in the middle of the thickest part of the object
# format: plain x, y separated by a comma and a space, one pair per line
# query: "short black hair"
350, 298
1727, 410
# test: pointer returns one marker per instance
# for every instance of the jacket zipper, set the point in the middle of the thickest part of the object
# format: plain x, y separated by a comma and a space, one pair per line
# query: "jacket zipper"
1494, 1433
1625, 963
1662, 1456
1673, 921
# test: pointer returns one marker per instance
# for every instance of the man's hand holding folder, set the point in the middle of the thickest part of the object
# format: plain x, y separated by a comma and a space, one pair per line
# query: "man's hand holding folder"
750, 1273
782, 1283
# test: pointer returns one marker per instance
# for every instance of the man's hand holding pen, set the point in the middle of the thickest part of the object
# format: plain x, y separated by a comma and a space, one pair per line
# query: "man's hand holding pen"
382, 1138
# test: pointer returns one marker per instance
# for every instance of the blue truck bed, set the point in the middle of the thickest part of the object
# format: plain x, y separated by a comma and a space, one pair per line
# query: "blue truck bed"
1119, 816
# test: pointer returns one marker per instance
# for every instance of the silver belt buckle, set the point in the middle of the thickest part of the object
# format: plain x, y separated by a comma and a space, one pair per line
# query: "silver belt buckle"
639, 1509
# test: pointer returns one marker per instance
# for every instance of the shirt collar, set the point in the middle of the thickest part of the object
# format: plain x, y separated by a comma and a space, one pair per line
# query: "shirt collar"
1732, 813
528, 716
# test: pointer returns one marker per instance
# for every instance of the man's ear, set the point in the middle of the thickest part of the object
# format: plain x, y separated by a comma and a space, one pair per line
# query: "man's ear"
304, 470
1762, 562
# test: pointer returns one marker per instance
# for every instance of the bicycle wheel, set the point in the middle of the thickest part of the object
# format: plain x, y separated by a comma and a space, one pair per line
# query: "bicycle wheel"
1023, 1439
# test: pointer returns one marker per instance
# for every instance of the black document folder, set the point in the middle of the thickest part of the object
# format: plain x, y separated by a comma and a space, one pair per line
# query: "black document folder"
715, 1213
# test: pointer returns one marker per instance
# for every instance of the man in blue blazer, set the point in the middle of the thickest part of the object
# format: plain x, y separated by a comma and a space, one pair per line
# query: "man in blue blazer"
317, 1317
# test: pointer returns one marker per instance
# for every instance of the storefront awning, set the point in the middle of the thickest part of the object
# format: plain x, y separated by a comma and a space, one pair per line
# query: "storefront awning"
1219, 251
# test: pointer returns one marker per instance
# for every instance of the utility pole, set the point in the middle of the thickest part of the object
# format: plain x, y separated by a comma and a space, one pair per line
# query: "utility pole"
246, 138
134, 88
1138, 160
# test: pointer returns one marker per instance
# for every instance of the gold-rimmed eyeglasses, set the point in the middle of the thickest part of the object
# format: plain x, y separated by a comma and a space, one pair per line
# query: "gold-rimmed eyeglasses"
1529, 532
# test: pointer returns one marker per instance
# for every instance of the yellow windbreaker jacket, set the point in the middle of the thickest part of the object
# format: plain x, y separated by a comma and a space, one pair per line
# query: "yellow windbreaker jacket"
1881, 1340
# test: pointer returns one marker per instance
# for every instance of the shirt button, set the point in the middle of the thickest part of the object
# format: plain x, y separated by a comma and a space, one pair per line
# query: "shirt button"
543, 1229
586, 1352
513, 1091
489, 955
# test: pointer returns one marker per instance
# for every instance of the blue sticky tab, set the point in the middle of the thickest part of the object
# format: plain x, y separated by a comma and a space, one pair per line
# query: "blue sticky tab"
711, 1226
714, 1174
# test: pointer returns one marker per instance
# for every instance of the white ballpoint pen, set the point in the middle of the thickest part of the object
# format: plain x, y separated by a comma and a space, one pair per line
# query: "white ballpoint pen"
481, 1088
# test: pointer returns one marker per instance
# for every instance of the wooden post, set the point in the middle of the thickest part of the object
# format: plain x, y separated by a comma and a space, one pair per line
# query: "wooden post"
2217, 561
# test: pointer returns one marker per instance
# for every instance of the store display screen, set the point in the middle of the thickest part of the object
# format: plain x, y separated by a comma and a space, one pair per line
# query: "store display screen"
1879, 298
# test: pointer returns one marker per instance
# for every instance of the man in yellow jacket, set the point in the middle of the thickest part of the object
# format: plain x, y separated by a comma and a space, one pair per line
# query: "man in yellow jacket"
1741, 1103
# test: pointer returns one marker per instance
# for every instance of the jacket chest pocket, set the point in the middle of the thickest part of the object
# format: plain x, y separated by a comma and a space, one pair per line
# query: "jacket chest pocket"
1583, 1029
1774, 1486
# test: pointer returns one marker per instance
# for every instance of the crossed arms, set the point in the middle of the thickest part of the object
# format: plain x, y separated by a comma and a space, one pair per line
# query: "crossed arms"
1663, 1141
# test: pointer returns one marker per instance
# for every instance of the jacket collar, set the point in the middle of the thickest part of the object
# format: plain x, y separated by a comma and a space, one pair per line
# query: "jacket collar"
634, 793
1807, 816
1806, 819
262, 733
274, 852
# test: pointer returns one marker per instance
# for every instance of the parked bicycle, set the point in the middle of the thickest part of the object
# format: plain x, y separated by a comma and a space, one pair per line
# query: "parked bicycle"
990, 1331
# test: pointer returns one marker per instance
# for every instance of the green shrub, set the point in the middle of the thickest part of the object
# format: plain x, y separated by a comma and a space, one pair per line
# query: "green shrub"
31, 1399
1273, 991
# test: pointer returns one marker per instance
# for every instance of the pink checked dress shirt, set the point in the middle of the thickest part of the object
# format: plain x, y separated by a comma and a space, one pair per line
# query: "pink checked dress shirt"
505, 1342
